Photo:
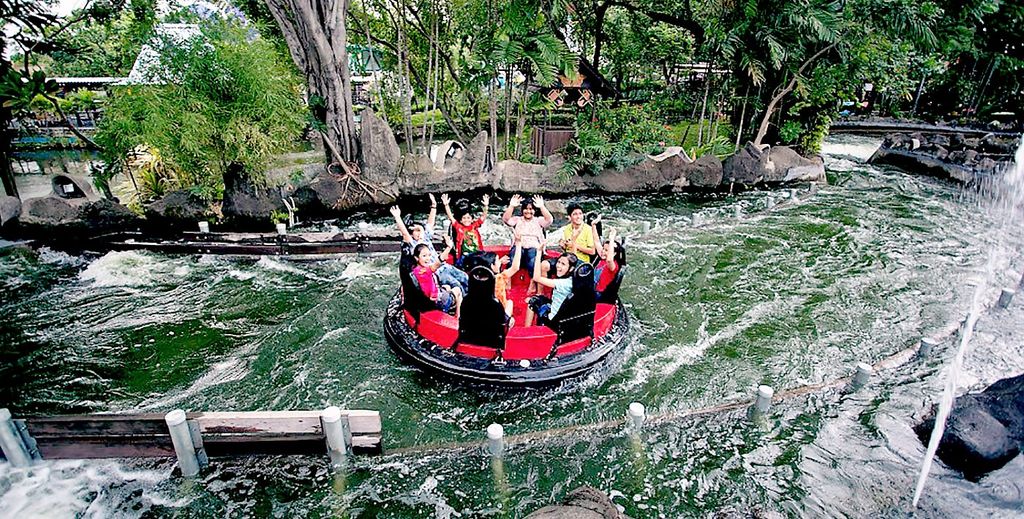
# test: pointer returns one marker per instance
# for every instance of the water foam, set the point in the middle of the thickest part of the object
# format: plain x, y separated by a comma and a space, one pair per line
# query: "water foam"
1008, 195
679, 355
93, 488
131, 268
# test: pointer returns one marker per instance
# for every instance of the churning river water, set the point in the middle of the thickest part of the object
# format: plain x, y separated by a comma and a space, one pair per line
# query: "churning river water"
788, 295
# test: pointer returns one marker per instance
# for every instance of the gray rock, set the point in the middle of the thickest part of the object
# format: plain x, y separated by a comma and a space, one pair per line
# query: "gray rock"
705, 172
48, 211
381, 156
107, 216
180, 209
939, 139
747, 166
583, 503
984, 430
10, 210
247, 203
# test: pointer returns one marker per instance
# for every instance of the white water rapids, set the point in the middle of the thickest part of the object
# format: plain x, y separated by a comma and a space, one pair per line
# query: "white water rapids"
1007, 197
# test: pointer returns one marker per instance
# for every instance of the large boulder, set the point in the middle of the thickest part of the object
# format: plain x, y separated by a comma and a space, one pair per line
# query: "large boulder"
245, 202
105, 215
178, 209
48, 211
749, 165
705, 172
583, 503
10, 210
648, 175
984, 430
786, 165
381, 156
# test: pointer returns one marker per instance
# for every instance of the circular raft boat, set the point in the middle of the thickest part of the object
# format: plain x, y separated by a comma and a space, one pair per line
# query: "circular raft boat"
482, 348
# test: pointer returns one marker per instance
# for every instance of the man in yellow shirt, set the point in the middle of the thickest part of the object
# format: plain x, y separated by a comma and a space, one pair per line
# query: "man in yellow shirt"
577, 236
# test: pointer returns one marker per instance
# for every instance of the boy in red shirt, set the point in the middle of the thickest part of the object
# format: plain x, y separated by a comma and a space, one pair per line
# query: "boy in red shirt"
467, 233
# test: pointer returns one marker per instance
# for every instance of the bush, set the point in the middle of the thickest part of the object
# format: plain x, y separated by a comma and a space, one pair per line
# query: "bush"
614, 139
224, 98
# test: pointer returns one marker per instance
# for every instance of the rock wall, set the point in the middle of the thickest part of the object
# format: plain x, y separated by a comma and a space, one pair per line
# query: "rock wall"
953, 157
325, 191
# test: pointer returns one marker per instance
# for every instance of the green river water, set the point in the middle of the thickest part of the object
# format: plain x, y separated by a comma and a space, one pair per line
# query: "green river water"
788, 296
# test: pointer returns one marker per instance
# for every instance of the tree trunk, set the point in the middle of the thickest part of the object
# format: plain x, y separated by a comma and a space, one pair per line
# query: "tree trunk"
492, 109
318, 42
704, 104
508, 108
763, 128
743, 113
917, 97
599, 33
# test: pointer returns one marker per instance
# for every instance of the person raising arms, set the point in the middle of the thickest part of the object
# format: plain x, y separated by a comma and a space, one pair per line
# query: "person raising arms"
467, 230
419, 234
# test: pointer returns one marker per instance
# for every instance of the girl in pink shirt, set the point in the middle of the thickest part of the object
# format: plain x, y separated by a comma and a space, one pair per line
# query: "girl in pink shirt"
528, 227
446, 298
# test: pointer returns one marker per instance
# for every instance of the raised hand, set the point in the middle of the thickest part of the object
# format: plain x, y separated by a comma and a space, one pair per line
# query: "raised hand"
432, 200
486, 199
515, 200
448, 241
597, 220
538, 201
396, 212
445, 199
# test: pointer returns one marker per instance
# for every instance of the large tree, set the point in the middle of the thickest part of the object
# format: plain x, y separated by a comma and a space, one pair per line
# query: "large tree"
315, 32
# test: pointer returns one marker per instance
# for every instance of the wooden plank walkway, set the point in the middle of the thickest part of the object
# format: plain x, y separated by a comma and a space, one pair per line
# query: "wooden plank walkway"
218, 433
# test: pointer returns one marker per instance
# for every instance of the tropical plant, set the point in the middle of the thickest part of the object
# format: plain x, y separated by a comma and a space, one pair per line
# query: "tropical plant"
218, 101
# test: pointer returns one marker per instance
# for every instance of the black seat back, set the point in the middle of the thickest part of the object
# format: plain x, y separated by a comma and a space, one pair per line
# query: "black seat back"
611, 292
575, 318
483, 317
413, 298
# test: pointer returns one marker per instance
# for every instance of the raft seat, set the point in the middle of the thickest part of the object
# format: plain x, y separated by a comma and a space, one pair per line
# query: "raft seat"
480, 352
573, 347
604, 316
529, 342
439, 328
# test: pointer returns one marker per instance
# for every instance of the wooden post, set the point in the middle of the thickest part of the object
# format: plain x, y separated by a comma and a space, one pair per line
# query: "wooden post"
181, 438
10, 441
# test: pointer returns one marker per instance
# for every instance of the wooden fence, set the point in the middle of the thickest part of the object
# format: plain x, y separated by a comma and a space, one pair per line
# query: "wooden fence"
212, 434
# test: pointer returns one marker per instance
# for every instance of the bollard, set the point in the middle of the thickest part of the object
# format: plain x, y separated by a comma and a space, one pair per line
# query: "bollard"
697, 220
813, 188
181, 438
495, 439
204, 227
864, 372
926, 347
769, 202
637, 413
794, 195
10, 441
764, 398
1005, 297
738, 212
647, 227
338, 434
282, 228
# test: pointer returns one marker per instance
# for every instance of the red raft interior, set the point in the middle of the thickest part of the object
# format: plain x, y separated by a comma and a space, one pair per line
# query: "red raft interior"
522, 342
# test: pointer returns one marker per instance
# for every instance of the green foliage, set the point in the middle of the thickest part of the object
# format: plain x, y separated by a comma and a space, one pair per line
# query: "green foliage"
226, 97
106, 44
615, 138
277, 216
790, 131
718, 146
